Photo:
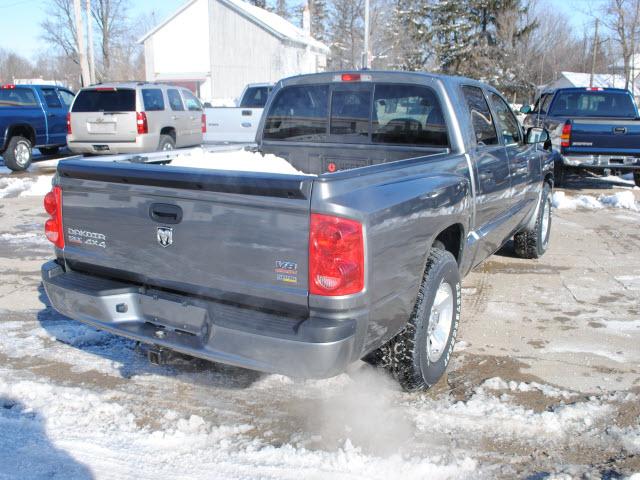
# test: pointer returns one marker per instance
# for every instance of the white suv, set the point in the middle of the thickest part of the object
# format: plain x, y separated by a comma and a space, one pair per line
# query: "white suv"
133, 118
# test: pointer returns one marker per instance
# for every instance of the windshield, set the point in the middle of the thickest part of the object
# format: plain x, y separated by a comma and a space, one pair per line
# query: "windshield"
105, 101
255, 97
593, 104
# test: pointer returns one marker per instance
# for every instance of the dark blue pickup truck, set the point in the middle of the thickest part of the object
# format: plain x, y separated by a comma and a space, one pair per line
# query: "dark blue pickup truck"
32, 116
594, 129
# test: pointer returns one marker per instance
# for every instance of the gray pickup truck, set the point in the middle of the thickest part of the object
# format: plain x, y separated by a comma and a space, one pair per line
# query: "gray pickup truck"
411, 180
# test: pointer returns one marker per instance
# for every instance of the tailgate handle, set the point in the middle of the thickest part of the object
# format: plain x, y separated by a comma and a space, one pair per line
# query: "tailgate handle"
247, 113
620, 130
165, 213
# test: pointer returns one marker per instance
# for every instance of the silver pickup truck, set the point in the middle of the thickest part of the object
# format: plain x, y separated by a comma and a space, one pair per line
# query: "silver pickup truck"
409, 181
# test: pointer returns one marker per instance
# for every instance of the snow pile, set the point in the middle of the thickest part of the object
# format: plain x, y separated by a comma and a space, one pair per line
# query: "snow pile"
86, 428
236, 160
22, 238
496, 383
25, 186
625, 200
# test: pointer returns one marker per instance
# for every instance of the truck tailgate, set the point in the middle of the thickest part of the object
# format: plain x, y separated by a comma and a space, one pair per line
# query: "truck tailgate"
237, 237
605, 136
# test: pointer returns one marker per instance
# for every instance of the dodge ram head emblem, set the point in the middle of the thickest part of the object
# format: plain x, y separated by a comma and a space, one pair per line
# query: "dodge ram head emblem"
165, 236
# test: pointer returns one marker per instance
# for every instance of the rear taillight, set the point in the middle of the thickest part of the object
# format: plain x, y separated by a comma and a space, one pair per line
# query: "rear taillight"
336, 256
53, 227
203, 120
141, 122
69, 123
565, 137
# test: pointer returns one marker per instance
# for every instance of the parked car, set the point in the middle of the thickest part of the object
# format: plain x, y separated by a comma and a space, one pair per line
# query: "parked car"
32, 116
416, 178
134, 118
594, 129
239, 123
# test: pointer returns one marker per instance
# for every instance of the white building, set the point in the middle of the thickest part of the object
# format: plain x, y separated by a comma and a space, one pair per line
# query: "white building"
216, 47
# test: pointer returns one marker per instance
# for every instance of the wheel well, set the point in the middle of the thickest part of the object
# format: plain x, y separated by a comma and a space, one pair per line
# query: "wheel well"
23, 131
451, 238
169, 131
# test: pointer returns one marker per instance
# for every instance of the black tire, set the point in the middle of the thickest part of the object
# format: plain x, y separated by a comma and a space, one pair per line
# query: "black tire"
529, 243
49, 150
636, 178
406, 355
14, 155
166, 143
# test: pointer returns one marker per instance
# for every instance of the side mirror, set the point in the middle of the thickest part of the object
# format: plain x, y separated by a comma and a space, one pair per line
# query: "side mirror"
525, 109
538, 135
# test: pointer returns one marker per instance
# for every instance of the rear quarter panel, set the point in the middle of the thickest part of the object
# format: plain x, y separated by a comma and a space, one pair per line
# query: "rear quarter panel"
403, 206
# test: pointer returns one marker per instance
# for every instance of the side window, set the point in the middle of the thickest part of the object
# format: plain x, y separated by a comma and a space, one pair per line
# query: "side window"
51, 98
407, 114
481, 120
152, 99
546, 101
175, 101
17, 97
66, 96
298, 113
509, 127
192, 103
350, 113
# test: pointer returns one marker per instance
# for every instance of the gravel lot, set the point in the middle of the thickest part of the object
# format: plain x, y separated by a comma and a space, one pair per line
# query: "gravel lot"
545, 381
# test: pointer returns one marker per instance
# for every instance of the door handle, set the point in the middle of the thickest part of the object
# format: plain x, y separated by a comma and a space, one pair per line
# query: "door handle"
165, 213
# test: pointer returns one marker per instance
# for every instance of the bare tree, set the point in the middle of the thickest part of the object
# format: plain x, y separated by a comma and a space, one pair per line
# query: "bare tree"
14, 66
622, 19
111, 19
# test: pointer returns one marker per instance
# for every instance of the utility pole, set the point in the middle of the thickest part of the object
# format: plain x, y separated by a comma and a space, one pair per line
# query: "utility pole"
365, 54
595, 53
92, 61
82, 57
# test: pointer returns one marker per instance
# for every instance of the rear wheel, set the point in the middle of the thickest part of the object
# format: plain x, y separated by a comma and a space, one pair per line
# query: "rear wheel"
166, 143
533, 242
18, 155
418, 356
49, 150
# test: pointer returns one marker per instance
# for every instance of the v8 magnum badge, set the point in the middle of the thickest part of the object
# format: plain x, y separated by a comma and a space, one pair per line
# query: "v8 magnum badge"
165, 236
286, 271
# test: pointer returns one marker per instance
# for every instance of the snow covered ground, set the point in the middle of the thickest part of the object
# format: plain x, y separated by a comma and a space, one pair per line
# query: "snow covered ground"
544, 383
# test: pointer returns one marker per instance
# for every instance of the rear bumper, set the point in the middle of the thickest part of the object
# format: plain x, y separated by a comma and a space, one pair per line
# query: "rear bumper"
602, 162
310, 348
144, 143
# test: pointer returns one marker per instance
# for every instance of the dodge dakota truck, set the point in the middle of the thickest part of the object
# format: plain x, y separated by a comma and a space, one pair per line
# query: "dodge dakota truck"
594, 129
32, 116
407, 181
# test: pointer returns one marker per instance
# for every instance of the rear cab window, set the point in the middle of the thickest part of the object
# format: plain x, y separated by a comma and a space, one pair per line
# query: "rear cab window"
408, 115
370, 113
152, 99
593, 103
255, 97
105, 100
481, 118
17, 97
298, 114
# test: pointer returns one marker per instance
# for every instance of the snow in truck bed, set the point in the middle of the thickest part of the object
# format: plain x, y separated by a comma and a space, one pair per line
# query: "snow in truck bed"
239, 161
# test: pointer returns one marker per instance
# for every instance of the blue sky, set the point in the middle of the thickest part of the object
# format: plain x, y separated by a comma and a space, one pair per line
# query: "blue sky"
20, 19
